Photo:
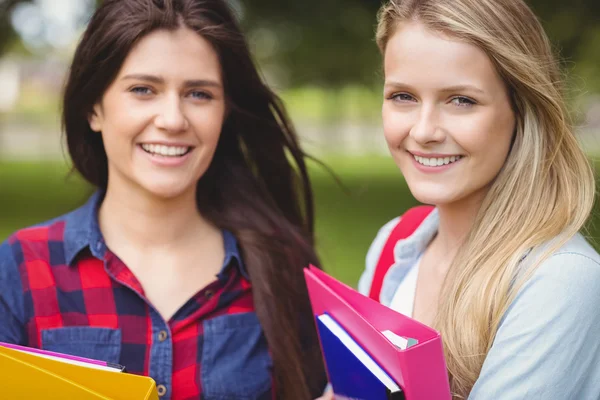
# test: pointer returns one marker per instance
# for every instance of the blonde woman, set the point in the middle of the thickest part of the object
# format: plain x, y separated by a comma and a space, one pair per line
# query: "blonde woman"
474, 118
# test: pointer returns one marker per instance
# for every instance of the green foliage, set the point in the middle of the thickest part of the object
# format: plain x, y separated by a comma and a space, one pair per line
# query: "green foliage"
326, 43
331, 43
7, 33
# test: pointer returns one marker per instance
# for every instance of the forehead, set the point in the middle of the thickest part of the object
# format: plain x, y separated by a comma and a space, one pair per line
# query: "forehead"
177, 53
416, 55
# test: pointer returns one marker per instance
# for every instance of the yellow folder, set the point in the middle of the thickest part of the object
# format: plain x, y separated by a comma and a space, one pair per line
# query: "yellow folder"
27, 376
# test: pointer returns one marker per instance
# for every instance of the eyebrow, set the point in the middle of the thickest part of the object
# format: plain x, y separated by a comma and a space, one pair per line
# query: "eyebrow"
159, 80
456, 88
463, 88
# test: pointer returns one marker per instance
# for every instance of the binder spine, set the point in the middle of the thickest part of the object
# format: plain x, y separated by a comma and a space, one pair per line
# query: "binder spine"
425, 373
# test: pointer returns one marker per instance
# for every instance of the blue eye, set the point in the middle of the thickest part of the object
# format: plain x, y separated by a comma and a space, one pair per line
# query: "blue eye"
141, 90
199, 95
462, 101
402, 97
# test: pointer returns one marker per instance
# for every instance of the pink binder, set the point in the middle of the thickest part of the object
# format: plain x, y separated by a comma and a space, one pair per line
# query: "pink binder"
420, 370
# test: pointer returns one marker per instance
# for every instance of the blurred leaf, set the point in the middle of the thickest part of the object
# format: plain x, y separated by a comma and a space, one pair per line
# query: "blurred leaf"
326, 43
7, 32
330, 43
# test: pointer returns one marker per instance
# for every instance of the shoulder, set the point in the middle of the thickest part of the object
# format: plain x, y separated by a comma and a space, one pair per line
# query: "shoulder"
373, 254
36, 239
380, 240
418, 226
565, 286
552, 321
575, 265
578, 246
37, 232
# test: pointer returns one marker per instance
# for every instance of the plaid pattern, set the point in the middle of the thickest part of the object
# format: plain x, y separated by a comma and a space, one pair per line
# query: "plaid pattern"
70, 279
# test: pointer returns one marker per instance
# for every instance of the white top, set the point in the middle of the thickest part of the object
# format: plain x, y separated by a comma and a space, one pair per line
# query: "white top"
404, 298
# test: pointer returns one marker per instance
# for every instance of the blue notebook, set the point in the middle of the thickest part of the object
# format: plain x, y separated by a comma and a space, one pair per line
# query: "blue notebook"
352, 372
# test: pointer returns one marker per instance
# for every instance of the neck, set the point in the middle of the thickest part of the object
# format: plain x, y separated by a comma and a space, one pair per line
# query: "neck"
137, 218
456, 221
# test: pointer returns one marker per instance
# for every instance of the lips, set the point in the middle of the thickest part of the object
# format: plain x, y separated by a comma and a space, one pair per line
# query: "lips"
165, 150
436, 161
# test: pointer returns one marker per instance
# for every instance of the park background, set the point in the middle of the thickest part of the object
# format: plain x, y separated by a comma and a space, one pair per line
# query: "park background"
318, 55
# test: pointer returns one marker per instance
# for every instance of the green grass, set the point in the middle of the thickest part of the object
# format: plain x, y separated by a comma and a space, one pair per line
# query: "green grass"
348, 216
34, 192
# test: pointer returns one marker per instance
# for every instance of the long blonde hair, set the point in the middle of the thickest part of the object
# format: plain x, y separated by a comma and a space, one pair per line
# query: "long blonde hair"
544, 193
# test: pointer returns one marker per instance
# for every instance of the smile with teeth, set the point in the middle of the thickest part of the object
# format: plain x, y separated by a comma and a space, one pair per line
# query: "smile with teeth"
436, 161
165, 151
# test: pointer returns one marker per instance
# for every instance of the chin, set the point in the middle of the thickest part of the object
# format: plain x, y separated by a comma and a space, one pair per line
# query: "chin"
167, 192
432, 197
424, 199
438, 198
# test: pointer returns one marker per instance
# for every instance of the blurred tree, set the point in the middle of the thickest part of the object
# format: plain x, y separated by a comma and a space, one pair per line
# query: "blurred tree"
324, 42
331, 42
7, 32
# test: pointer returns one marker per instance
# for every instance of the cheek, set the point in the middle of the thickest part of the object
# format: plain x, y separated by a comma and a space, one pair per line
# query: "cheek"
124, 119
208, 125
120, 132
395, 127
488, 140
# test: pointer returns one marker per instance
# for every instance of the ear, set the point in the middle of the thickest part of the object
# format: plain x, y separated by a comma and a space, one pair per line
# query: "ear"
95, 118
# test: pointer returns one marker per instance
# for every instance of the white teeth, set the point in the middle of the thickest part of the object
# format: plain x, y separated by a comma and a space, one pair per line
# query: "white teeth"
167, 151
436, 162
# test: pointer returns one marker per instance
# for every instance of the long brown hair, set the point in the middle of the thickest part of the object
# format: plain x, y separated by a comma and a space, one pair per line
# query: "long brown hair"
257, 185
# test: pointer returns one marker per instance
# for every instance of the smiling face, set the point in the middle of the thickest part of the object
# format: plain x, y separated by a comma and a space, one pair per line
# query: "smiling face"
447, 116
161, 118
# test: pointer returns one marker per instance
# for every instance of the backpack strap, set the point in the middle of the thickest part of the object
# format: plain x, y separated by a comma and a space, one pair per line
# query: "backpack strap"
409, 223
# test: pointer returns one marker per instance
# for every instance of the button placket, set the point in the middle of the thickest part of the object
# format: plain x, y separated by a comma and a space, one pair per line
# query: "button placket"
162, 336
162, 390
161, 357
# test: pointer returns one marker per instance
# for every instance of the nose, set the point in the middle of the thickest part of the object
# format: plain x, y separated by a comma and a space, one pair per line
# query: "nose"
426, 129
170, 116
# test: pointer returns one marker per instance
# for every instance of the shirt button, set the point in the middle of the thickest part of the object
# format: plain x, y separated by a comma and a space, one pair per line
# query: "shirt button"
209, 294
162, 336
161, 389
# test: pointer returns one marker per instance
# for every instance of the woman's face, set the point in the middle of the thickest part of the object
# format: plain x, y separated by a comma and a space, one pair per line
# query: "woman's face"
161, 118
447, 115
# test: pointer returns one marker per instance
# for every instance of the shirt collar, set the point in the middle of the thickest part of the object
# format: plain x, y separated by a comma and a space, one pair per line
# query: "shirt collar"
83, 231
232, 255
406, 253
415, 244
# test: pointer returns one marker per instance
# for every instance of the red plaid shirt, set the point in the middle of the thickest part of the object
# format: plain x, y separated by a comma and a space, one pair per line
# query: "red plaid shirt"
61, 289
